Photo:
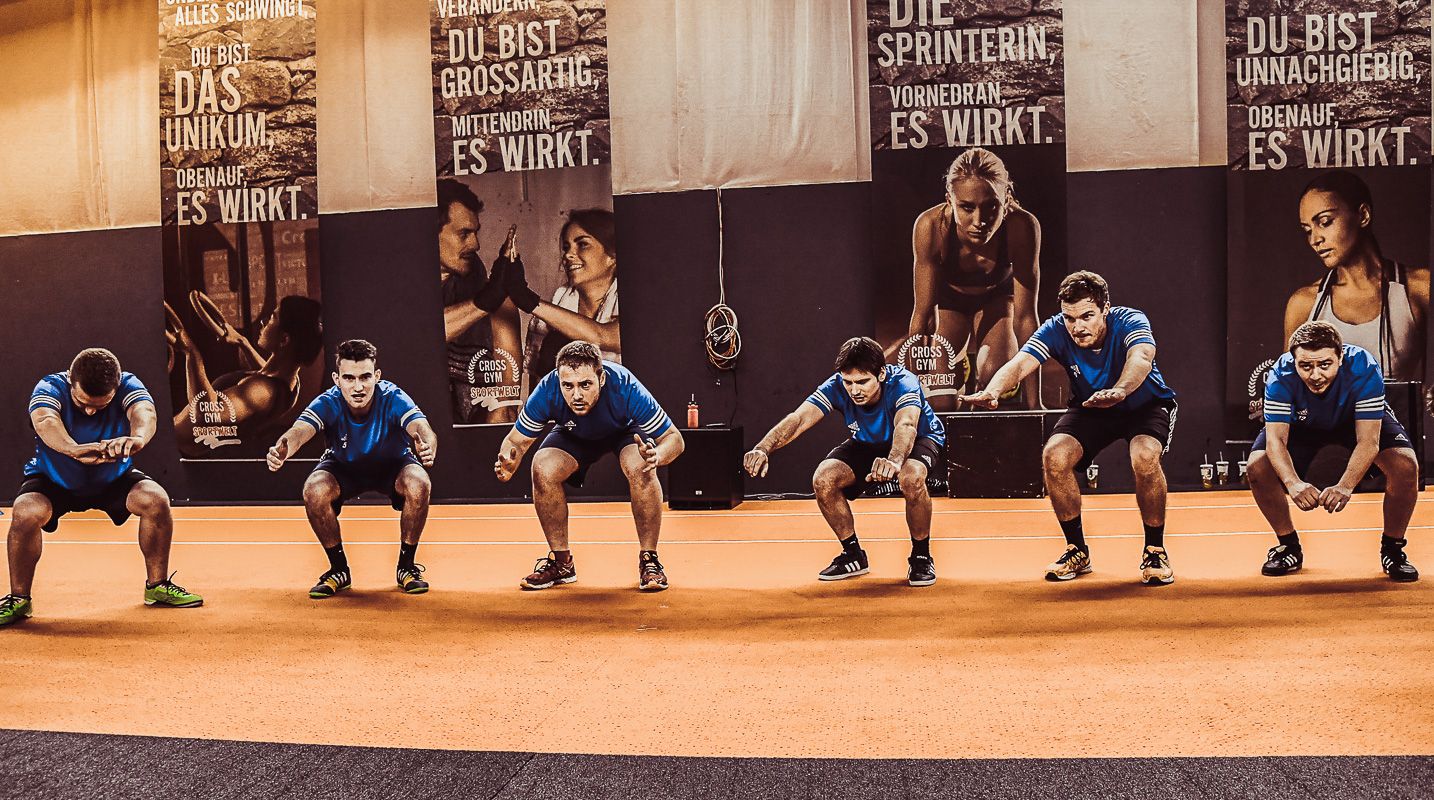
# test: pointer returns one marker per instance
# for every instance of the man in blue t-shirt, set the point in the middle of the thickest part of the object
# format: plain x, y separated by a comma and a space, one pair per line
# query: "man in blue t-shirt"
89, 422
1117, 392
894, 435
1324, 392
378, 441
595, 407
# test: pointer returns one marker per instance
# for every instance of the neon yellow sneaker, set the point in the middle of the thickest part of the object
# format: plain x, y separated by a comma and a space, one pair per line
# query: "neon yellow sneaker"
1155, 567
14, 608
171, 595
331, 583
411, 579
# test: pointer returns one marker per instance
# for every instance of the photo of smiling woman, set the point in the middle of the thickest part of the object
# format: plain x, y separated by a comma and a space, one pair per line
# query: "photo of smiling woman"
1375, 302
585, 305
975, 271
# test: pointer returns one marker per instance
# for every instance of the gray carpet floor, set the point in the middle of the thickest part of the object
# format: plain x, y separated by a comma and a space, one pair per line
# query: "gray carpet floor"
44, 766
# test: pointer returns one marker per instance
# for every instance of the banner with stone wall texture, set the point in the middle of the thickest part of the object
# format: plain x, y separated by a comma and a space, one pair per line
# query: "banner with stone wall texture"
521, 127
1329, 176
966, 271
240, 221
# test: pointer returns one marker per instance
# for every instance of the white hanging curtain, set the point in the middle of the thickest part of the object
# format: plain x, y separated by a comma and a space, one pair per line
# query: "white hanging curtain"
737, 93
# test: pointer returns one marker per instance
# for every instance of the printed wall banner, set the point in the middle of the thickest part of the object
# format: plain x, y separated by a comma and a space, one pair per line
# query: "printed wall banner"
1329, 107
522, 140
968, 174
240, 223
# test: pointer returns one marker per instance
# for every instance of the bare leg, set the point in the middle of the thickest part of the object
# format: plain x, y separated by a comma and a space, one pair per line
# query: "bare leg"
415, 487
1401, 489
918, 500
1269, 492
148, 501
25, 541
1061, 455
646, 494
321, 490
551, 467
1150, 491
831, 477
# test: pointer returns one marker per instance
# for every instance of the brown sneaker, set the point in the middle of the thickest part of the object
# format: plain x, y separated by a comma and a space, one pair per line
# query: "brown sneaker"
650, 577
549, 571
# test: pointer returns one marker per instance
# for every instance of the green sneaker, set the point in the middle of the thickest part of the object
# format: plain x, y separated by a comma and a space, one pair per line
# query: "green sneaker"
172, 595
331, 583
411, 579
14, 608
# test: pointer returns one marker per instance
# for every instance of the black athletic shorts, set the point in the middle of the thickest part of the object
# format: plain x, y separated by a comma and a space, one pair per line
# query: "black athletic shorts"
861, 455
112, 499
587, 451
1097, 428
1305, 443
354, 480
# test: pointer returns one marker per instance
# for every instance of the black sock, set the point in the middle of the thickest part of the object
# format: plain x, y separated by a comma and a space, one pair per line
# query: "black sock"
851, 546
338, 562
1291, 540
563, 556
406, 552
921, 547
1074, 533
1155, 535
1387, 543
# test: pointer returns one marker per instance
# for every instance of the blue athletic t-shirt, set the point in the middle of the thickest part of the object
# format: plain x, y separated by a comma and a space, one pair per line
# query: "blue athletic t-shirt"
378, 437
53, 391
875, 424
1357, 392
1093, 370
622, 402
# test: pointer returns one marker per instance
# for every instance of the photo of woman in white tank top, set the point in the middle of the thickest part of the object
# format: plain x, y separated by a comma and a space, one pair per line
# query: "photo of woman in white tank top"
1376, 303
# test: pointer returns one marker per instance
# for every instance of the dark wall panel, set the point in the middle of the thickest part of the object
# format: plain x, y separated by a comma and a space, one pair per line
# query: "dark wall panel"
1158, 237
64, 292
798, 278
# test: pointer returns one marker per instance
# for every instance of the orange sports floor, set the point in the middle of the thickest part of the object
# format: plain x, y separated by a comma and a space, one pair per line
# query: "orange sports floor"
748, 654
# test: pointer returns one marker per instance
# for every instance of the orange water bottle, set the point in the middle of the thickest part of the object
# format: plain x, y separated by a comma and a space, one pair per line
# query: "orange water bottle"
692, 421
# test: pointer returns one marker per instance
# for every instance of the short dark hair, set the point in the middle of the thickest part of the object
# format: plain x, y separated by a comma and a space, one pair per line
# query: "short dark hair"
1316, 335
356, 350
96, 370
579, 353
450, 192
302, 319
861, 353
1084, 285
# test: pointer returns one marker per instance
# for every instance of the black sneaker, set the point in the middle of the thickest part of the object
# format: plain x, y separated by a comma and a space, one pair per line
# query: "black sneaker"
331, 583
1282, 560
845, 566
410, 579
921, 571
1396, 564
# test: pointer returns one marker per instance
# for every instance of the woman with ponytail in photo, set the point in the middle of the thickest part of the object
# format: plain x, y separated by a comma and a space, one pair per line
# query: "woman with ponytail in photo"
1376, 303
976, 269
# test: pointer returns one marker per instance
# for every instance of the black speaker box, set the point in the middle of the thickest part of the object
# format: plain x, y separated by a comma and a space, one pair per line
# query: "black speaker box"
708, 474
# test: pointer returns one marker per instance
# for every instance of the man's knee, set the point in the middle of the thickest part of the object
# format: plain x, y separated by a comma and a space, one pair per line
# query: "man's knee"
148, 500
1400, 467
830, 478
414, 485
913, 480
1258, 469
551, 467
1145, 455
1061, 456
30, 512
320, 491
